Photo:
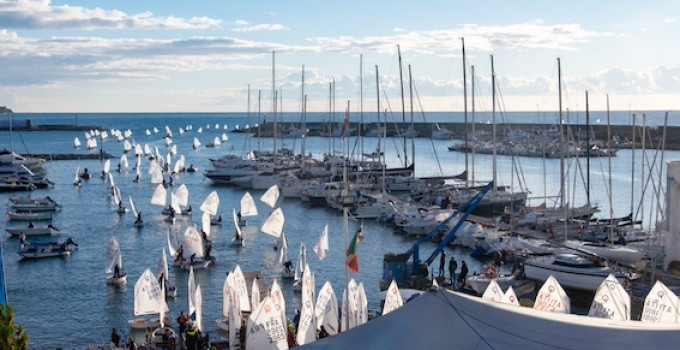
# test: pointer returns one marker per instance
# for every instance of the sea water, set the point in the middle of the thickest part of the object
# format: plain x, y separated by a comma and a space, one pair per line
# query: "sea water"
65, 302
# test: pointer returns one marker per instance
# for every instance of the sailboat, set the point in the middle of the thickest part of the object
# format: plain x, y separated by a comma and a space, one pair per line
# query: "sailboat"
287, 272
238, 240
76, 143
306, 331
326, 309
228, 305
76, 181
114, 258
300, 267
194, 251
162, 271
266, 329
138, 216
148, 300
210, 205
248, 208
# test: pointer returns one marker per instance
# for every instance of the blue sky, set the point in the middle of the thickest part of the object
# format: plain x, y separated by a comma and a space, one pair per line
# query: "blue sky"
178, 56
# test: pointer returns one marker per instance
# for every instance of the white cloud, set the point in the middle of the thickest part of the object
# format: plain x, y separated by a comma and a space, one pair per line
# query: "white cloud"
261, 27
670, 20
41, 14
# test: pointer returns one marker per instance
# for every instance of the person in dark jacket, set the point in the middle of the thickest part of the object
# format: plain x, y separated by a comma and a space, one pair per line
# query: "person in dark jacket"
463, 274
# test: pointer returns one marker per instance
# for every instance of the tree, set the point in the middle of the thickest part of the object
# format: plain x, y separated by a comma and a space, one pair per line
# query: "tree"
12, 337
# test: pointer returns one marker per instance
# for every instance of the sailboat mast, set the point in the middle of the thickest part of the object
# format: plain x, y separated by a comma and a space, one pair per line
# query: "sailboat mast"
493, 120
609, 148
274, 100
381, 152
248, 140
562, 176
474, 125
303, 117
330, 116
588, 152
413, 146
259, 115
465, 108
360, 129
403, 105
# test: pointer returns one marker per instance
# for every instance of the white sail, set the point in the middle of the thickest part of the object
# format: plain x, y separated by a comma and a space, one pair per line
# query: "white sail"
210, 204
172, 244
661, 305
76, 180
552, 297
224, 137
123, 162
156, 176
113, 256
302, 261
174, 204
181, 131
611, 301
155, 130
196, 143
162, 266
198, 303
200, 130
393, 299
271, 196
138, 150
248, 207
192, 243
127, 146
191, 293
182, 195
107, 166
205, 224
117, 198
148, 296
283, 255
91, 143
147, 132
306, 331
274, 224
173, 149
217, 141
251, 156
179, 164
227, 289
326, 309
321, 247
104, 135
241, 289
266, 329
147, 149
510, 297
276, 293
362, 305
238, 235
132, 207
234, 315
160, 196
493, 292
76, 143
254, 294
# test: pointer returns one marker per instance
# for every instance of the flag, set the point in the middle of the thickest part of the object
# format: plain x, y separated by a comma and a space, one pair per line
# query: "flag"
321, 247
345, 125
351, 257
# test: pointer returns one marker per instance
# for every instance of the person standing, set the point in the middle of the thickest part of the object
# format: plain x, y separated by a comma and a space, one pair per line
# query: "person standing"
453, 266
191, 338
463, 274
242, 335
442, 263
115, 338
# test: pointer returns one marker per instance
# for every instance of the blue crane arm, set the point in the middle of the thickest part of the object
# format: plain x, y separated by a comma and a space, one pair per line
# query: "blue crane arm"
468, 207
414, 249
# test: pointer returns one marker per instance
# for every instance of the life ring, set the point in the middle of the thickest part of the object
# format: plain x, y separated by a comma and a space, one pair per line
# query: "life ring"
490, 272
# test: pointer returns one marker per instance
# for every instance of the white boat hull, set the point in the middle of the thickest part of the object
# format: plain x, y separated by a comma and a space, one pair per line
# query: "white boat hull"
589, 279
117, 280
478, 283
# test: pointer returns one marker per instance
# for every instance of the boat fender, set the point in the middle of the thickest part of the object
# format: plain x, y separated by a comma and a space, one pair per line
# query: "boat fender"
490, 272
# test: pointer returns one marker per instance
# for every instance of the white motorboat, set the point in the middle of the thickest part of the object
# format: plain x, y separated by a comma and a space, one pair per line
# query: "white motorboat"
32, 230
480, 282
617, 253
28, 216
36, 207
38, 250
570, 270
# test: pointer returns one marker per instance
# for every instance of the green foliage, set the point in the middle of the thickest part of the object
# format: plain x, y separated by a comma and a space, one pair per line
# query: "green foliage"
12, 337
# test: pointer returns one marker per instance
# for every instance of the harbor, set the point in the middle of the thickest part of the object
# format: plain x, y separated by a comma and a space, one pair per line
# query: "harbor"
141, 247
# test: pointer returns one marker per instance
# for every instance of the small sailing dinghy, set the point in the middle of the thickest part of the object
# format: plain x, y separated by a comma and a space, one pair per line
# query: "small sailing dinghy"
138, 216
114, 263
238, 240
148, 300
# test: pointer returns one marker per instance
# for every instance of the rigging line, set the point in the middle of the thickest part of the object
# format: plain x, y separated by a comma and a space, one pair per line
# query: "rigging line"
422, 113
480, 320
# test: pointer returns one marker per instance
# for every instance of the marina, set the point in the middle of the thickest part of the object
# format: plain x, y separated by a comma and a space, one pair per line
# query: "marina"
89, 215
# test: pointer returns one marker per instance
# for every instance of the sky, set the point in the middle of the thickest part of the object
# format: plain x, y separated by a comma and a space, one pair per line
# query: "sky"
204, 56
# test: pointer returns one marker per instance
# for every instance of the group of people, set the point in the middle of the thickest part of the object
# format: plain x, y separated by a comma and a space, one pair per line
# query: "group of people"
457, 279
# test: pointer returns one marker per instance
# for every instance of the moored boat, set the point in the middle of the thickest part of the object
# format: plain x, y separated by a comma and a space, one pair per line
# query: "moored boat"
29, 216
571, 270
